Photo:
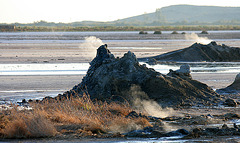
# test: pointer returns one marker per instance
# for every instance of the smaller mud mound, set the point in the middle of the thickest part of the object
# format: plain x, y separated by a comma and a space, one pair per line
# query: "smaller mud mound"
234, 88
199, 52
121, 79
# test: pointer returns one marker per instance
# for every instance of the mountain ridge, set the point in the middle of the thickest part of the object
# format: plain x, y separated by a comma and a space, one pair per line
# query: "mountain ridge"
169, 15
188, 14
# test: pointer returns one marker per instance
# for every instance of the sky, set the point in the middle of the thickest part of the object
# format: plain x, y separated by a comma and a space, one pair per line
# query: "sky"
28, 11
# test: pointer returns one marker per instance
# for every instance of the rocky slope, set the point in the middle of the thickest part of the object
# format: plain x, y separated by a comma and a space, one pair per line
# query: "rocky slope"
198, 53
121, 79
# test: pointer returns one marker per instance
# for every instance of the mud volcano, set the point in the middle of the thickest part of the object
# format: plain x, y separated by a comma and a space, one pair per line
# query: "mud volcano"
110, 78
199, 52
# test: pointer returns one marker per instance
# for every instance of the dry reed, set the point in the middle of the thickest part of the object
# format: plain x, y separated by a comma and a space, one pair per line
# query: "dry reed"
79, 116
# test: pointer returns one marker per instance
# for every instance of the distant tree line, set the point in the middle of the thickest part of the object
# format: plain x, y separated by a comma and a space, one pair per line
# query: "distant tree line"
121, 28
7, 28
159, 20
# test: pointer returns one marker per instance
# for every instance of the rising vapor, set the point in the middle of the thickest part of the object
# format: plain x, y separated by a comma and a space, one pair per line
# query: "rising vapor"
144, 105
196, 38
90, 45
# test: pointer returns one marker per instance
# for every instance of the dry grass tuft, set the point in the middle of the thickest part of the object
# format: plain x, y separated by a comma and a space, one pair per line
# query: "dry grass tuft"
38, 126
78, 116
26, 124
15, 129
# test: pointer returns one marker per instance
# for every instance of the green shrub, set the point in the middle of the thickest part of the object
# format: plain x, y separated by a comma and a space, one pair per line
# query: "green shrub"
204, 32
143, 32
174, 32
157, 32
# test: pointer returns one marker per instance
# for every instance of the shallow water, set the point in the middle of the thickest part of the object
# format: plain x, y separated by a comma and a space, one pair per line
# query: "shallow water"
81, 68
44, 69
14, 96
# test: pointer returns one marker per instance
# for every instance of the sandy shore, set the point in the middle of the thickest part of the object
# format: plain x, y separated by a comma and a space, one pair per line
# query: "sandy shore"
72, 53
16, 88
215, 80
53, 82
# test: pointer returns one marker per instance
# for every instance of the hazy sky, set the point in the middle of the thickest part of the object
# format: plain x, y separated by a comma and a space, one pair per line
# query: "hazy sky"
26, 11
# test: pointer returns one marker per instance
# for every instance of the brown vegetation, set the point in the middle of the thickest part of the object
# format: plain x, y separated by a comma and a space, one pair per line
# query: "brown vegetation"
78, 117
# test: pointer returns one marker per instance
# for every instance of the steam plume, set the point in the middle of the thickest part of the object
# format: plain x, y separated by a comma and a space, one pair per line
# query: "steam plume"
149, 106
202, 40
90, 45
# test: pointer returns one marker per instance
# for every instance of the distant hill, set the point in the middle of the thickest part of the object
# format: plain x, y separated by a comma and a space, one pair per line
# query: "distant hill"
166, 16
187, 14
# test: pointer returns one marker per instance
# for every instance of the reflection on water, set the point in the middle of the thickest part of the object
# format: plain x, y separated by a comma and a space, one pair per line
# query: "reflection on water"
200, 67
81, 68
17, 96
